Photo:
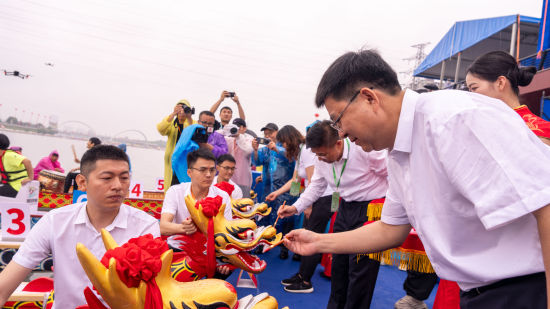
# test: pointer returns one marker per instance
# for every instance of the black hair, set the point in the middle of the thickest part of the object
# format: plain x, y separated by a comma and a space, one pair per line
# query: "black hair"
4, 142
321, 134
293, 139
207, 113
193, 156
499, 63
226, 107
354, 70
225, 157
96, 141
101, 152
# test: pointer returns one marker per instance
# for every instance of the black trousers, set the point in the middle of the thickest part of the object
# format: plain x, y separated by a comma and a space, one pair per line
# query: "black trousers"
317, 222
419, 285
7, 190
519, 293
70, 180
353, 275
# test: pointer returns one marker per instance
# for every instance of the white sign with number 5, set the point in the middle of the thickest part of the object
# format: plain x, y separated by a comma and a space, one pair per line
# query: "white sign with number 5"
16, 221
136, 189
159, 184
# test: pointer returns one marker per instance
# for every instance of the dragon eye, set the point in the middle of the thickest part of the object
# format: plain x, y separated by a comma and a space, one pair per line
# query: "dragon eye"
246, 234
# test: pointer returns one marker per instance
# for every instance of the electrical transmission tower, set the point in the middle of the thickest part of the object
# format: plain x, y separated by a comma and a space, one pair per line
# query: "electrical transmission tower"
417, 58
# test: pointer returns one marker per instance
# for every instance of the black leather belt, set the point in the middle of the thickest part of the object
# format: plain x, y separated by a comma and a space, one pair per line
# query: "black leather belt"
481, 289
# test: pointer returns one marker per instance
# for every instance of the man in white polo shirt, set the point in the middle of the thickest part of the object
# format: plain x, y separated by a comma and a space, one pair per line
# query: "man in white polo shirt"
356, 178
226, 166
175, 218
464, 170
105, 176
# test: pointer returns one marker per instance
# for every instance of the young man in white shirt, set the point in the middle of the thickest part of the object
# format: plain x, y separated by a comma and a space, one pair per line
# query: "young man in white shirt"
175, 218
356, 178
105, 176
461, 178
226, 168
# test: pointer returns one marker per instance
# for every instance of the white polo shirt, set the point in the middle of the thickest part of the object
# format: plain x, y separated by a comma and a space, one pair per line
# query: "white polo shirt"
307, 159
467, 172
174, 201
61, 229
237, 192
364, 178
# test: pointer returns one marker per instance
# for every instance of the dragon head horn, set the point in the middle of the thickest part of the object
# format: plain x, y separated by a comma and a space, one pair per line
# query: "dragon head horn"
108, 240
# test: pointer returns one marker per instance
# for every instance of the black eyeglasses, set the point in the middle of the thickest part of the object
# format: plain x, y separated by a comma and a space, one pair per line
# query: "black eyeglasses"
207, 124
334, 124
227, 168
205, 170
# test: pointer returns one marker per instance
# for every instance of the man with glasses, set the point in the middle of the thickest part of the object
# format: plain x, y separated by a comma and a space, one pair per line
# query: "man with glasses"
356, 178
216, 141
460, 177
175, 218
226, 168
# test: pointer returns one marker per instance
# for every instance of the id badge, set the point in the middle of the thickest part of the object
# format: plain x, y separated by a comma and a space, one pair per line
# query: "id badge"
335, 203
295, 188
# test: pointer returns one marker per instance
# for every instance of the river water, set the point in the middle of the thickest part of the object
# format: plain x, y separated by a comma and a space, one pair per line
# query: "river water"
147, 164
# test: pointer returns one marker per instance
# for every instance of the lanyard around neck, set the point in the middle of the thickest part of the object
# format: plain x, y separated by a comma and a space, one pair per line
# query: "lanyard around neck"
343, 168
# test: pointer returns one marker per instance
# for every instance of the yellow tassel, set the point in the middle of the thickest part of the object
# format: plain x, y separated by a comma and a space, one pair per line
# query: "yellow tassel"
374, 211
405, 259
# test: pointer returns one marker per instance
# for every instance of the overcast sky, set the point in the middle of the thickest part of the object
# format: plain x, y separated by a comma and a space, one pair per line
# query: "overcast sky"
123, 64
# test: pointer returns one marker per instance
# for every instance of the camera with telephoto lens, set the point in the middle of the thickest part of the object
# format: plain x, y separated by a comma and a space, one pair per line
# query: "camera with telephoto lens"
230, 130
200, 135
188, 110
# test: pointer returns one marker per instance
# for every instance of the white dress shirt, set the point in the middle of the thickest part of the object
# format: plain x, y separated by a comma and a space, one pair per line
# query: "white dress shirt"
364, 179
466, 172
237, 192
61, 229
174, 201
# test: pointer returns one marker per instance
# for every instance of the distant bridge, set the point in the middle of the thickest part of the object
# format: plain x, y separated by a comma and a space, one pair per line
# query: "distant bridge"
131, 131
91, 130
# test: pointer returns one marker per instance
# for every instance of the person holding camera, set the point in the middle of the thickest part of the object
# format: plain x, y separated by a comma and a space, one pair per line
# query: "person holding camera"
239, 145
277, 170
172, 126
212, 141
226, 113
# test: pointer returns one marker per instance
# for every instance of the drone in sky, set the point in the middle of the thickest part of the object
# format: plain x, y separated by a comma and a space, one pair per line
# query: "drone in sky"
17, 74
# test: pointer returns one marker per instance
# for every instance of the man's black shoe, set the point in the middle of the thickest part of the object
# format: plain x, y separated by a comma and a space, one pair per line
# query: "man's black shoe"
300, 287
292, 280
283, 255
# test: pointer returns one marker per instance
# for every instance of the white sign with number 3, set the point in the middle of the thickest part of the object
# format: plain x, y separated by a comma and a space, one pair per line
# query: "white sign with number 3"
16, 221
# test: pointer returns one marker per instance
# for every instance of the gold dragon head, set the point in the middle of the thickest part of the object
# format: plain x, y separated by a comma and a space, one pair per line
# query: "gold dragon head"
236, 238
245, 208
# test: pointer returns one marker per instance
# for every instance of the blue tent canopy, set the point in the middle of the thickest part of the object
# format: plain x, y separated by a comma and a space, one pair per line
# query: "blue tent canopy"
472, 38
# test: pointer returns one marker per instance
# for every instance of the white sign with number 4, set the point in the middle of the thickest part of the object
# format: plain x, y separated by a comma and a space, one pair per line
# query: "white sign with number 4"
136, 189
16, 221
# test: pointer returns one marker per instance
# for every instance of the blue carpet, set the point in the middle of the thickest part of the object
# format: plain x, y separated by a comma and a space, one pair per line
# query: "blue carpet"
389, 286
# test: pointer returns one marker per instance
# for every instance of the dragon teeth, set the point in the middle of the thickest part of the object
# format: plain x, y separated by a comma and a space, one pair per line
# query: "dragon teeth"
229, 251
